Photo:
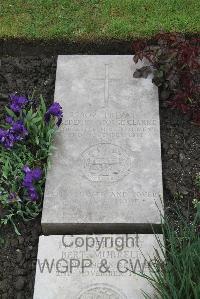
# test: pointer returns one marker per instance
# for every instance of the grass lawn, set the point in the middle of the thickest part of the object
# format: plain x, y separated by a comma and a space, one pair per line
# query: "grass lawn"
96, 19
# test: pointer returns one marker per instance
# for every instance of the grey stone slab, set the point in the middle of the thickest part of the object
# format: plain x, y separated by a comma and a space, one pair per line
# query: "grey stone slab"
106, 171
94, 266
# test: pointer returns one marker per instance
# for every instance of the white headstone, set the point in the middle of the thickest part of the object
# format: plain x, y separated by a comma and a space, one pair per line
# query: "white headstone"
94, 266
106, 173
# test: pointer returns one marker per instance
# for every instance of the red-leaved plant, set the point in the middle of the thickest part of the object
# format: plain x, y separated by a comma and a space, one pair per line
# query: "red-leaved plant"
176, 63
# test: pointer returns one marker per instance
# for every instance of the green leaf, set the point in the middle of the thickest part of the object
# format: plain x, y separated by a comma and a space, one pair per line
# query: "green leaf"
10, 112
36, 120
6, 169
43, 106
37, 140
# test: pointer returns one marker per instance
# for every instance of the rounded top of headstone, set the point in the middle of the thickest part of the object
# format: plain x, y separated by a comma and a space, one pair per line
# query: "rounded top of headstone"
101, 291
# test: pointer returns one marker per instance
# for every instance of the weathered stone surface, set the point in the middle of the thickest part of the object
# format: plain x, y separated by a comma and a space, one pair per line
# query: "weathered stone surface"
94, 266
106, 170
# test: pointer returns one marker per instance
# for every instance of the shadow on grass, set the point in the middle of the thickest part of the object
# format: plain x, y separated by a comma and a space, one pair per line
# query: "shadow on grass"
22, 47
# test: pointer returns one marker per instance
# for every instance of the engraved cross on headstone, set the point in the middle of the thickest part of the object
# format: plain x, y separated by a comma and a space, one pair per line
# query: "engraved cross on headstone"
106, 80
106, 85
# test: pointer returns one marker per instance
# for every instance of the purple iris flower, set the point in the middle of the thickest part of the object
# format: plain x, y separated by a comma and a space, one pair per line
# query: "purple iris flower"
18, 129
54, 110
31, 176
10, 140
28, 180
36, 174
26, 169
17, 102
2, 134
7, 139
16, 132
33, 193
9, 120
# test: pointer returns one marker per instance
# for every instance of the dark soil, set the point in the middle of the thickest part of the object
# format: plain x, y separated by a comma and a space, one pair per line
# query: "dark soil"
17, 261
180, 142
180, 155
